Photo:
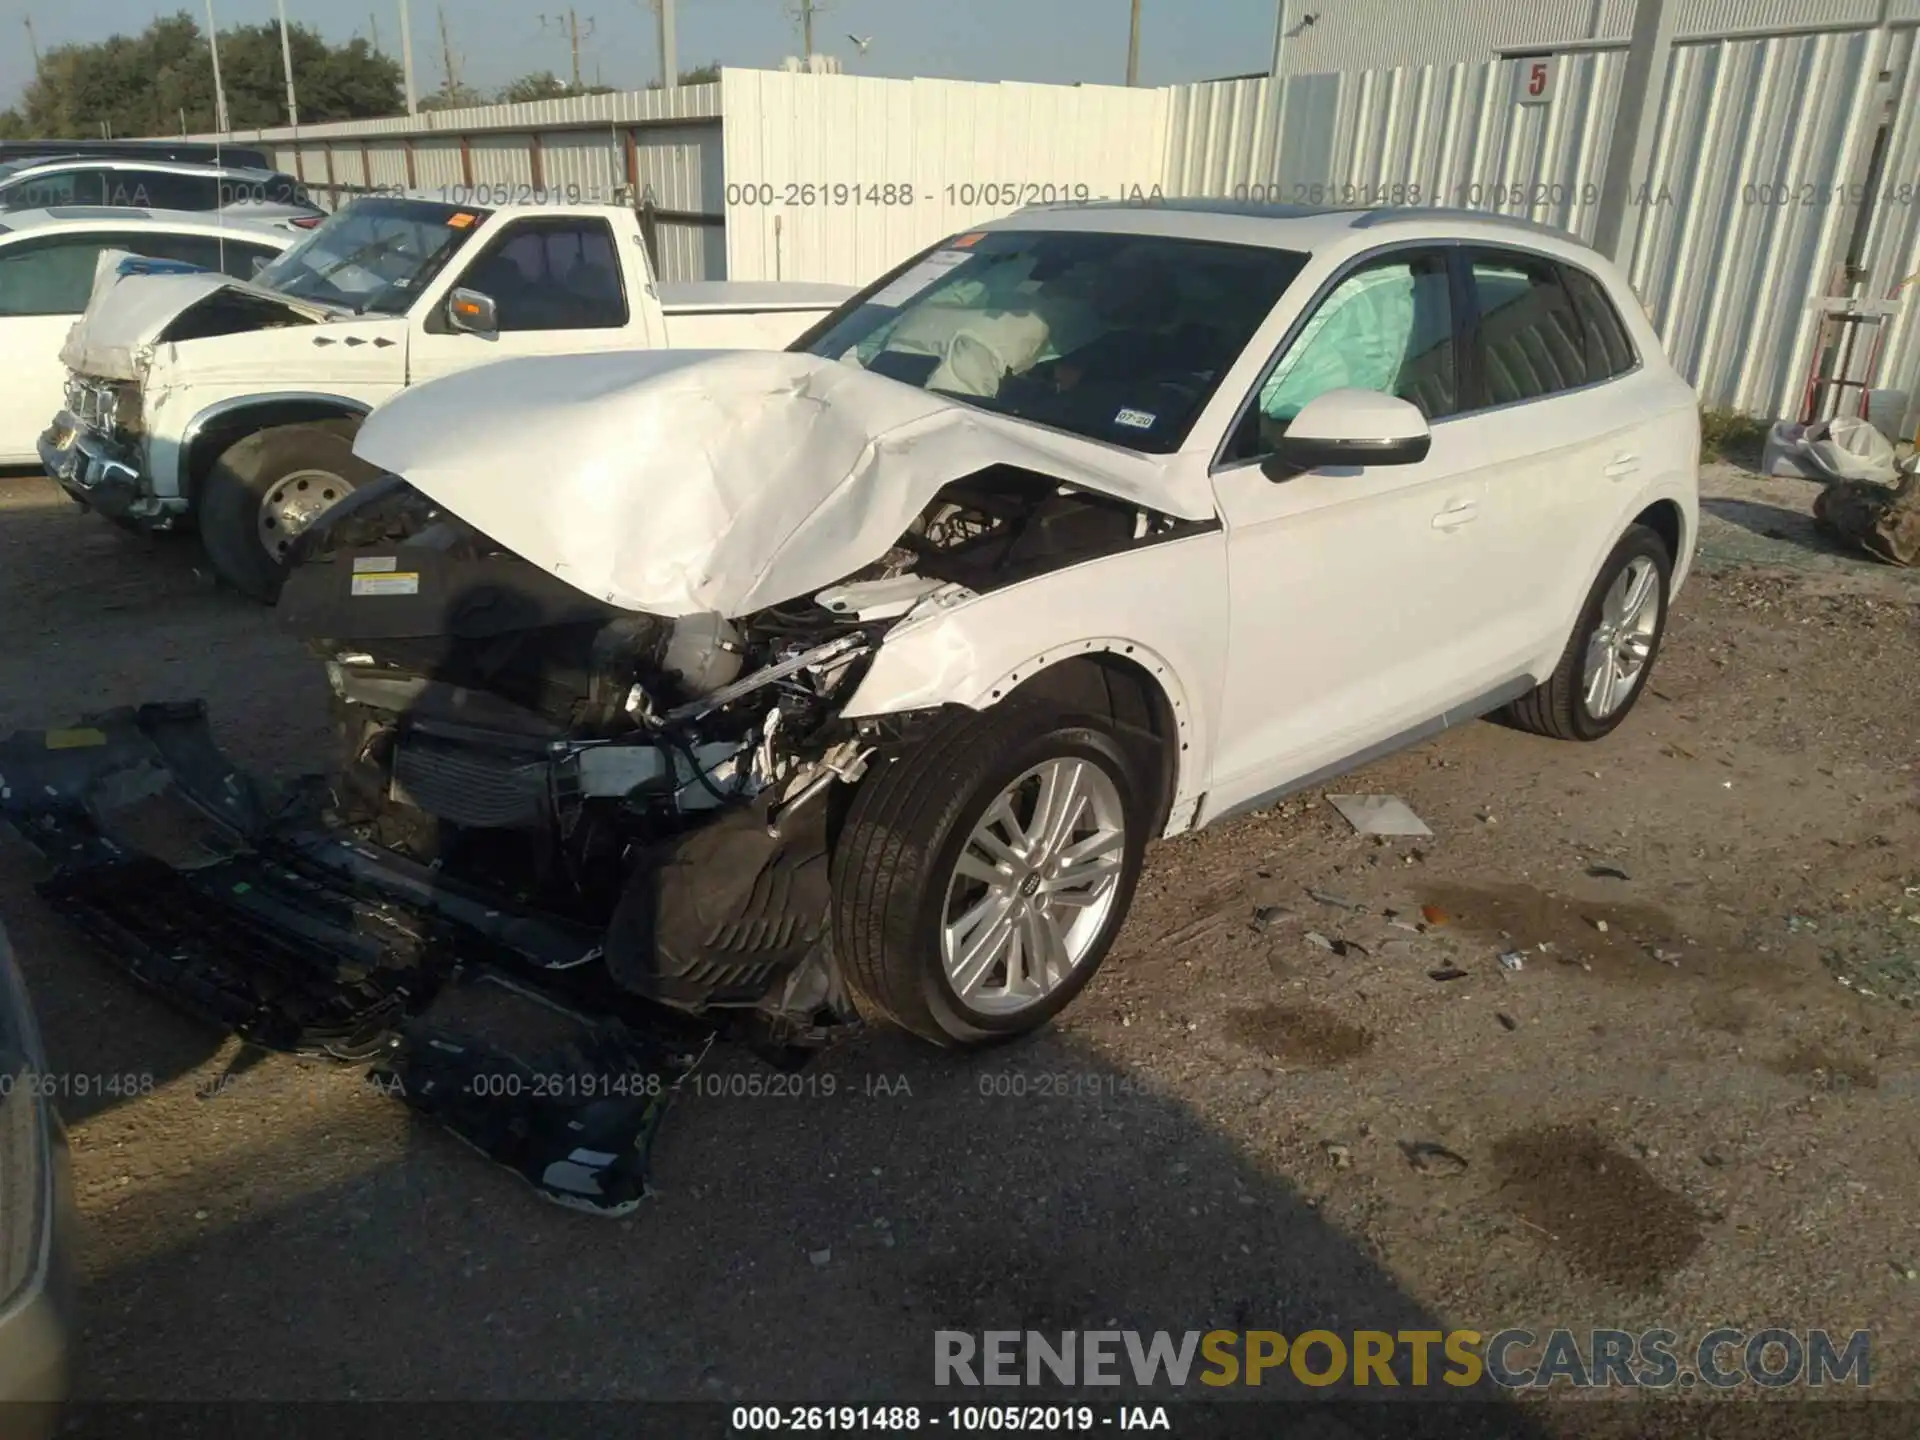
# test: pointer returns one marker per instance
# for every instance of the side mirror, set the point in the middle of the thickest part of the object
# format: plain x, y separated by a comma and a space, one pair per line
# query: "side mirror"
473, 312
1350, 428
256, 265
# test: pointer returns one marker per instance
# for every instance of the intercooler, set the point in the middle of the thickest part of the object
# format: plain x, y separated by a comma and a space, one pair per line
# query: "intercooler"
481, 786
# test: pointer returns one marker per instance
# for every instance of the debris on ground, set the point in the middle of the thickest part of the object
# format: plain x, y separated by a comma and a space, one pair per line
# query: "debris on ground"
820, 1258
1434, 915
1513, 960
1607, 872
1507, 1022
1433, 1160
1340, 1157
1447, 972
1386, 815
1881, 520
1319, 941
1338, 902
1265, 917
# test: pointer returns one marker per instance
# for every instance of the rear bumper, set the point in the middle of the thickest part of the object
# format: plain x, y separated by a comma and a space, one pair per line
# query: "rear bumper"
103, 476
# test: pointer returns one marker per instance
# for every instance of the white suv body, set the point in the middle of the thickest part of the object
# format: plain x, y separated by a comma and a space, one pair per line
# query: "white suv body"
1383, 471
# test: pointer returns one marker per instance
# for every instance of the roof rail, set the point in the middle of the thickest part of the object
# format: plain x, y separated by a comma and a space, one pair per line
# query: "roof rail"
1389, 215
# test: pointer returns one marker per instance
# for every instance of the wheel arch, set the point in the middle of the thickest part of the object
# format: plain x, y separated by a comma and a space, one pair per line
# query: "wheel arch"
213, 430
1665, 519
1132, 687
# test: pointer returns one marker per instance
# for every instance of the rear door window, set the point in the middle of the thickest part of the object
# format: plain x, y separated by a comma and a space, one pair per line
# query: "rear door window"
1531, 342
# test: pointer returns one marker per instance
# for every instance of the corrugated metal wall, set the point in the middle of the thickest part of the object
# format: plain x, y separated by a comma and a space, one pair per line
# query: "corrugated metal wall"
1746, 214
573, 149
837, 177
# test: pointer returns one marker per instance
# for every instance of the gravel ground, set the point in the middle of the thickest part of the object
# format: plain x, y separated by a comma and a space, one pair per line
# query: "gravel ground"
1267, 1112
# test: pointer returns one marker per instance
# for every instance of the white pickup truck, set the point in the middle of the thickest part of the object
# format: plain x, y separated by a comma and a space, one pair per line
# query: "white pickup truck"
197, 400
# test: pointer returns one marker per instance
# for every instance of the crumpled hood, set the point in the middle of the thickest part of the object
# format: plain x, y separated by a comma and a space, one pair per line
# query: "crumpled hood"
680, 482
132, 305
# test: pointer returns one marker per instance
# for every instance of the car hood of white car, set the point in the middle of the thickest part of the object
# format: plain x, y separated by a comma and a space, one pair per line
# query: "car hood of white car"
128, 313
681, 481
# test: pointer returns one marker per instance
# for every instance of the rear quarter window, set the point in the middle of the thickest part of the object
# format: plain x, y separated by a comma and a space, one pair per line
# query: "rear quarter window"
1610, 349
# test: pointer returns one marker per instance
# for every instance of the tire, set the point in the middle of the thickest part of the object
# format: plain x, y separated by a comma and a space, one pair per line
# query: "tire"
1561, 708
894, 877
316, 457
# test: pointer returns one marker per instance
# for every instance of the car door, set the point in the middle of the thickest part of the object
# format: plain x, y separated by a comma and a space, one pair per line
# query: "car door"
557, 289
1357, 603
46, 189
1554, 414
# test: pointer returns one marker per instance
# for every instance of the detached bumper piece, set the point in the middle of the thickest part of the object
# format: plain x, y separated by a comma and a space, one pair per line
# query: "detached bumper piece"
240, 907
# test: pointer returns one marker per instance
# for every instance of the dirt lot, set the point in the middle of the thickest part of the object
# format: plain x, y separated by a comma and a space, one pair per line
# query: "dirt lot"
1674, 1114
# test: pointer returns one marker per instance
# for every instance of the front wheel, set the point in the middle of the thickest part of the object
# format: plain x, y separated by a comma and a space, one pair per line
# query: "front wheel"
981, 878
1613, 647
265, 490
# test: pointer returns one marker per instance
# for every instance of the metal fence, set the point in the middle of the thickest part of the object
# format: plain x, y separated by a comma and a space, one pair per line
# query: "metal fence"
1759, 160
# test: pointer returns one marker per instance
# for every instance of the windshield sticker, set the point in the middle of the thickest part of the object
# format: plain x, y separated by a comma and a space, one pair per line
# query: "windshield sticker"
928, 273
1137, 419
394, 582
462, 220
378, 564
966, 242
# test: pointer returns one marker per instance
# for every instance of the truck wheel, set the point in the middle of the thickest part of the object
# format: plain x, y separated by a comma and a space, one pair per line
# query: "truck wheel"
980, 878
1615, 642
264, 490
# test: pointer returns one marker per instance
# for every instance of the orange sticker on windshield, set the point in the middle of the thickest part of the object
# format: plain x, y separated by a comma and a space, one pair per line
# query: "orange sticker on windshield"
965, 241
462, 220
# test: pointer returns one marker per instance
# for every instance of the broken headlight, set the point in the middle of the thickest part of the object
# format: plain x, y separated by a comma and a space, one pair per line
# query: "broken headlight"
26, 1172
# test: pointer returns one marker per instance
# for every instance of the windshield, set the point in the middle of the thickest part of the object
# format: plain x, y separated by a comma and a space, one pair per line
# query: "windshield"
1121, 338
375, 255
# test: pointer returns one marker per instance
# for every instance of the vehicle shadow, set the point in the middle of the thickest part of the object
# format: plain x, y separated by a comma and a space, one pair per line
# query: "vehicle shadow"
1777, 523
809, 1236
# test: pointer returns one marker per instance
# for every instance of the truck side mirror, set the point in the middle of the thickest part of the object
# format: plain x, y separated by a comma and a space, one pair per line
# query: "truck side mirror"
473, 312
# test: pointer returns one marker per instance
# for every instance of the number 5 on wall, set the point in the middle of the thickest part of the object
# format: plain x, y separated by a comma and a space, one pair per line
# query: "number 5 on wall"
1533, 79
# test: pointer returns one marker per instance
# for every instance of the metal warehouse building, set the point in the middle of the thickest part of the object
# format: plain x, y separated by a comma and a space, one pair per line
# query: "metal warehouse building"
1320, 36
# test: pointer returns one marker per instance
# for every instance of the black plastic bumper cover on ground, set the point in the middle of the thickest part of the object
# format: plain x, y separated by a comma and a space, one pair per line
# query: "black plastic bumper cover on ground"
239, 906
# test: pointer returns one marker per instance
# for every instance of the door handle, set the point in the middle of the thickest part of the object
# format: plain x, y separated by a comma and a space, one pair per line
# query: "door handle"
1621, 466
1461, 512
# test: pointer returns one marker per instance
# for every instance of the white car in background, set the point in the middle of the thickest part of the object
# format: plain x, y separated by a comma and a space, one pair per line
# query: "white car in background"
122, 182
47, 262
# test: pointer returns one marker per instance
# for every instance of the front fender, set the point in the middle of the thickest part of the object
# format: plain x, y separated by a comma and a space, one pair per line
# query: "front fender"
1161, 609
191, 421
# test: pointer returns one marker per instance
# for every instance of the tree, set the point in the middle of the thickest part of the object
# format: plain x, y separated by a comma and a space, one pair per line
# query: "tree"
706, 74
545, 85
160, 80
452, 96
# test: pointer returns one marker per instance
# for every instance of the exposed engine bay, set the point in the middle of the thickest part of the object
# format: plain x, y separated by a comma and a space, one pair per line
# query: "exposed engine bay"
675, 781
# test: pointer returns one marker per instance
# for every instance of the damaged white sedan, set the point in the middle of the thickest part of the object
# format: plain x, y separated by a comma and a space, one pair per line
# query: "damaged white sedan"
854, 680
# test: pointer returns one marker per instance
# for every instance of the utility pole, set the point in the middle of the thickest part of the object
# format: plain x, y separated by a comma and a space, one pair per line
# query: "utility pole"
669, 59
219, 90
406, 59
373, 26
808, 9
1636, 118
1133, 46
446, 54
286, 64
33, 42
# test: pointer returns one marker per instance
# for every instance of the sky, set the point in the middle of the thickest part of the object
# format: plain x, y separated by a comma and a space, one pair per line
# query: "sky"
1060, 41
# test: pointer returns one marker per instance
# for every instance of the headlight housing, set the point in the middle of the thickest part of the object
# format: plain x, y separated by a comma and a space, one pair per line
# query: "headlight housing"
26, 1164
